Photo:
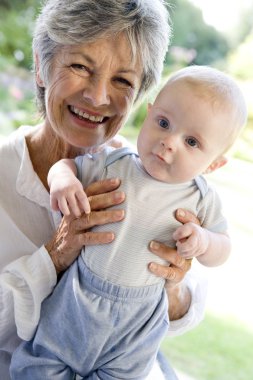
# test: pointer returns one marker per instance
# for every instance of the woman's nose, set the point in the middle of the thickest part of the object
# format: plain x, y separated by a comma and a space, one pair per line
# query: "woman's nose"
97, 93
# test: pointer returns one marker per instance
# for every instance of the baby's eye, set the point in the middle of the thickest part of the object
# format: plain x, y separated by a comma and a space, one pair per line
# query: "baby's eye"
164, 123
192, 142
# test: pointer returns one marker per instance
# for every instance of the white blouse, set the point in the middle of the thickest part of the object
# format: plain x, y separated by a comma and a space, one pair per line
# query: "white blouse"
27, 274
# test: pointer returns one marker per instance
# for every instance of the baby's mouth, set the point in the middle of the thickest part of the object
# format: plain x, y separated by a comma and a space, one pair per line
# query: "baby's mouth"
85, 116
160, 157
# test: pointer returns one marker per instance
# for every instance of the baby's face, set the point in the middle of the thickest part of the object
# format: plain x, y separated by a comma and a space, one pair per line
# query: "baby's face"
182, 135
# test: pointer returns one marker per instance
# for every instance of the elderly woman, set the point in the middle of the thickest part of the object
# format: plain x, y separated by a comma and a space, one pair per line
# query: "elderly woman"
93, 60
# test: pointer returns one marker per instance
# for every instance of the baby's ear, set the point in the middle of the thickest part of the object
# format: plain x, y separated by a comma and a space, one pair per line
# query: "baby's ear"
149, 106
216, 164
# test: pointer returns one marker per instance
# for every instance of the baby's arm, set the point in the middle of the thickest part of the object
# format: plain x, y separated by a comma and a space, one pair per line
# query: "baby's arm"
210, 248
66, 191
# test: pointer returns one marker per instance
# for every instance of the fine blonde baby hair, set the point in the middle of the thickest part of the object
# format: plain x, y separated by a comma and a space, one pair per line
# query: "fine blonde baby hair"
221, 90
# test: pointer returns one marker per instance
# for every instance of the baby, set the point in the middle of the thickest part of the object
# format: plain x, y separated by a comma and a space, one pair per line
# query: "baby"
116, 310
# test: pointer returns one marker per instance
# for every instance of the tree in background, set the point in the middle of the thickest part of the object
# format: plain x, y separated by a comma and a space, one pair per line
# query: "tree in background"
240, 61
193, 40
17, 22
243, 28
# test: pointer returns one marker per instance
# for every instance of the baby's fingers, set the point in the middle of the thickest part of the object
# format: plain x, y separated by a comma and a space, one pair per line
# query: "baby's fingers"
73, 205
183, 232
186, 248
63, 206
83, 201
54, 203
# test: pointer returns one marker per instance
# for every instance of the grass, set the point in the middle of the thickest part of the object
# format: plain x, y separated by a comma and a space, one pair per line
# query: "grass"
218, 349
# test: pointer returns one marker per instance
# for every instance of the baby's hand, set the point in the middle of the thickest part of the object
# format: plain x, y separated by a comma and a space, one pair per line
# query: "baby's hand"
67, 195
191, 240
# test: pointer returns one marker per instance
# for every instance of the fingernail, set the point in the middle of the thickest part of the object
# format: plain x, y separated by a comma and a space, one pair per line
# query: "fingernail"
154, 245
114, 181
152, 266
109, 237
119, 214
119, 195
180, 212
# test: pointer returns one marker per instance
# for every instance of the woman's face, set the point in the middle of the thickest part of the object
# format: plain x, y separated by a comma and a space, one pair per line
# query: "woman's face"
91, 89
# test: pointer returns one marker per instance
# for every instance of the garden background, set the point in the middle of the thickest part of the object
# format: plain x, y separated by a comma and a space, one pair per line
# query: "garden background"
221, 347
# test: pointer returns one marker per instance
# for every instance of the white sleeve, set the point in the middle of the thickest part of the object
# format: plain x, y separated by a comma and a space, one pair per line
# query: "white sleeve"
24, 284
198, 288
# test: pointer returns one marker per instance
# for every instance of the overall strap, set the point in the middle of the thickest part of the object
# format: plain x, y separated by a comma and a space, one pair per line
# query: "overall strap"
118, 154
202, 185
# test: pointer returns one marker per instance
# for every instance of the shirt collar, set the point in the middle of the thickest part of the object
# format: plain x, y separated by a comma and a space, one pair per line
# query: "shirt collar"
28, 183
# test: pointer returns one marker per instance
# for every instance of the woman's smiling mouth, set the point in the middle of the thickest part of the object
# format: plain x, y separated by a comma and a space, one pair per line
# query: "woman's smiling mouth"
82, 115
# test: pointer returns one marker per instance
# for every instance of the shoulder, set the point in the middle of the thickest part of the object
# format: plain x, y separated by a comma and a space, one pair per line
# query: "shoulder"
13, 152
202, 185
210, 198
120, 153
14, 139
90, 158
206, 190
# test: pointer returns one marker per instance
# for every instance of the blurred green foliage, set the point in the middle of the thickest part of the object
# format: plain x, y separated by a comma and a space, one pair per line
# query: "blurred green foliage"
194, 42
17, 23
240, 61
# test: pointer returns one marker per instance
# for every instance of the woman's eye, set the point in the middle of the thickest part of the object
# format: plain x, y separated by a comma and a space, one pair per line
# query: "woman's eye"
192, 142
79, 67
124, 82
164, 123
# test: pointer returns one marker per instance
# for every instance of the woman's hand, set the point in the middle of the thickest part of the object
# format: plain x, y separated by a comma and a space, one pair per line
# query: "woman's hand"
74, 233
179, 295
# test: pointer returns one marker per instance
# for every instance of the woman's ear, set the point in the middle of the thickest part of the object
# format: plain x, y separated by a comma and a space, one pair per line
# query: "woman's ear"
216, 164
39, 80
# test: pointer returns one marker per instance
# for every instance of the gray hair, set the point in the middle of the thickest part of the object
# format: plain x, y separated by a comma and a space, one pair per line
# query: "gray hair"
70, 22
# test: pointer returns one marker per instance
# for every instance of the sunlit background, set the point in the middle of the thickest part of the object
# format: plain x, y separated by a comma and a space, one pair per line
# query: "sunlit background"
224, 15
218, 33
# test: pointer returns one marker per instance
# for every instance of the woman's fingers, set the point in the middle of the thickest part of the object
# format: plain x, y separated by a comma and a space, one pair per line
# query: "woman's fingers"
177, 266
103, 186
97, 218
74, 233
174, 275
95, 238
104, 194
71, 236
171, 273
103, 201
167, 253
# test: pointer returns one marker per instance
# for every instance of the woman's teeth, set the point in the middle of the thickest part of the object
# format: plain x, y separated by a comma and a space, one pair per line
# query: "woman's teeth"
84, 115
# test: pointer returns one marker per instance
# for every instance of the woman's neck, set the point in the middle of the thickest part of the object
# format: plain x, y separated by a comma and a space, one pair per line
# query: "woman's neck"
45, 149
